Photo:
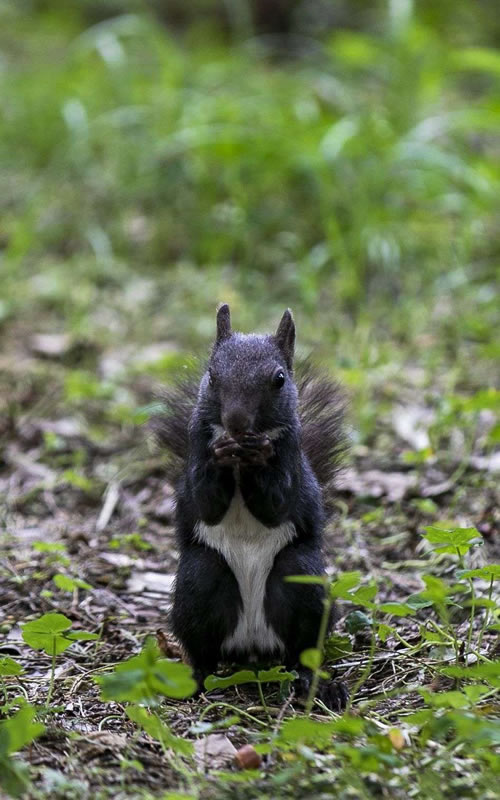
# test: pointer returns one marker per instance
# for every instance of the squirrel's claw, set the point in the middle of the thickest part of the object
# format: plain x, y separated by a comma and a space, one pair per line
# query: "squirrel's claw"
226, 451
257, 449
333, 693
252, 449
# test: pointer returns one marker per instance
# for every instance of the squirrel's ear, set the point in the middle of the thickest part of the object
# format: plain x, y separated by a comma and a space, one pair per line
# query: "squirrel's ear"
285, 337
223, 323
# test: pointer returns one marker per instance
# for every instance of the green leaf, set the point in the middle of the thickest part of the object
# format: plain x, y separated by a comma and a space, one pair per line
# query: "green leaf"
455, 540
417, 601
311, 658
14, 776
207, 727
358, 621
46, 633
306, 731
477, 732
384, 631
63, 582
337, 647
82, 636
347, 725
216, 682
68, 584
432, 636
146, 676
483, 59
344, 583
436, 590
484, 399
276, 674
474, 692
158, 730
19, 730
76, 479
357, 49
419, 717
453, 699
397, 609
365, 595
49, 633
8, 667
49, 547
479, 602
487, 671
487, 572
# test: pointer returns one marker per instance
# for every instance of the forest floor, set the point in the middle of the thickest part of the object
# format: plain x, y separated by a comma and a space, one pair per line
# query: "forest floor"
100, 510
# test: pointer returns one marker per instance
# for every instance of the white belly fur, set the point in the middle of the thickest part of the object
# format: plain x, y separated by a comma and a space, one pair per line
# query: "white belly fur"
250, 549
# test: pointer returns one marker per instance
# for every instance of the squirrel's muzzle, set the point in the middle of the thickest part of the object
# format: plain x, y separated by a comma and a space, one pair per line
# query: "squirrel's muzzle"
237, 421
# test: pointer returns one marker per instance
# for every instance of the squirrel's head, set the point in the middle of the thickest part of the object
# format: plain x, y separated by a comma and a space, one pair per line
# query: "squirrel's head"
249, 386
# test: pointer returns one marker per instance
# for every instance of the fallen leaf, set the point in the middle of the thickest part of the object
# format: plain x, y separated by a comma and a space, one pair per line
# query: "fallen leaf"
411, 424
168, 644
435, 489
214, 751
50, 345
108, 739
397, 738
111, 499
375, 483
121, 560
150, 581
489, 463
93, 743
66, 428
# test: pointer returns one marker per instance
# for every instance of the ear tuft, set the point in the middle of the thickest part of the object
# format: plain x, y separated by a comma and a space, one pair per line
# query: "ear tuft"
223, 323
285, 337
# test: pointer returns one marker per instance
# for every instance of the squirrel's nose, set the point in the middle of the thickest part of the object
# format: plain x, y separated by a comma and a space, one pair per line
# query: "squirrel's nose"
237, 421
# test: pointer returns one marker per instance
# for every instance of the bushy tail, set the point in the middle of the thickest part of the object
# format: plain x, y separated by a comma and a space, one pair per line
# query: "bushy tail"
170, 426
321, 408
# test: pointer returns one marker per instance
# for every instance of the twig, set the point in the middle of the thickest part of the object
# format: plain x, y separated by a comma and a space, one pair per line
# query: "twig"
112, 497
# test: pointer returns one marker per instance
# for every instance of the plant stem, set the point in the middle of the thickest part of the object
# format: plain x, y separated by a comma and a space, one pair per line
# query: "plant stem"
172, 758
471, 621
327, 605
403, 641
263, 700
486, 617
442, 631
364, 675
52, 676
233, 708
4, 690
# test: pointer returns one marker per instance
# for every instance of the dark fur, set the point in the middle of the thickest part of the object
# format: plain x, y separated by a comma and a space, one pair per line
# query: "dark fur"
286, 488
321, 414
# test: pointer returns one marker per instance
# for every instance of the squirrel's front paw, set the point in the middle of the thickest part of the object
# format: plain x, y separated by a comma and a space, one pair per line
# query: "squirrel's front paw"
257, 449
226, 451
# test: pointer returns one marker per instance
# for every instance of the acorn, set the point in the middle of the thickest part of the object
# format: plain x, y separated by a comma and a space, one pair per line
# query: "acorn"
247, 757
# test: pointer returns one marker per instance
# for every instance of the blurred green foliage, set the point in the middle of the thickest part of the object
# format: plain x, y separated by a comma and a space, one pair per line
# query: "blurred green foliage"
350, 170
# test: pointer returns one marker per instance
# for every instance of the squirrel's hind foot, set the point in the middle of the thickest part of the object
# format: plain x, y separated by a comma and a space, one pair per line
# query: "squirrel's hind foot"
333, 693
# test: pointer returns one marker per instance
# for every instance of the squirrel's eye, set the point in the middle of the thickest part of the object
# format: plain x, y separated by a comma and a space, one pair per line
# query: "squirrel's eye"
211, 380
278, 379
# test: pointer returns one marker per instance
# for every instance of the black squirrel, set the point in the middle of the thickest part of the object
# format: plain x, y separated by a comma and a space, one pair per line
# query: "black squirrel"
253, 451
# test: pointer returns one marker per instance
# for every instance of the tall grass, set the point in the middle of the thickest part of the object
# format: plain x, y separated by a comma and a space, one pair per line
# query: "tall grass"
359, 182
